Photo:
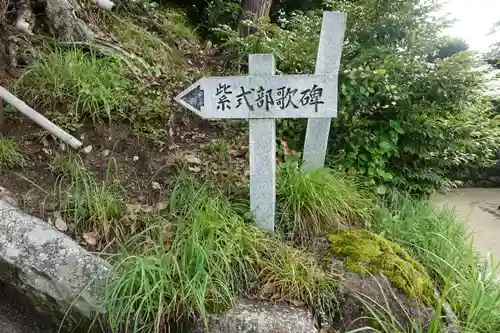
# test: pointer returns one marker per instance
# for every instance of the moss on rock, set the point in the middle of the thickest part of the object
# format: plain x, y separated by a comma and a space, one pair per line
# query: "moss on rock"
365, 252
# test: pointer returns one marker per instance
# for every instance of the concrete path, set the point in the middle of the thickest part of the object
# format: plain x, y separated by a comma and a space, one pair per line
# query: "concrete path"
480, 208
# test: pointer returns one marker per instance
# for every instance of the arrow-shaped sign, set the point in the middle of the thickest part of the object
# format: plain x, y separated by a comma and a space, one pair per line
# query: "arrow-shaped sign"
252, 97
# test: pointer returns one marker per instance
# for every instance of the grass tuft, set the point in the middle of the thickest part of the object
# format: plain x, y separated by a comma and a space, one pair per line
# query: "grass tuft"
199, 258
311, 203
93, 206
10, 155
436, 238
153, 49
84, 84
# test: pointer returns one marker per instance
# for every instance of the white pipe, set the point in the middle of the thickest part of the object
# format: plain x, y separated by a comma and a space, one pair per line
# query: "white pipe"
39, 119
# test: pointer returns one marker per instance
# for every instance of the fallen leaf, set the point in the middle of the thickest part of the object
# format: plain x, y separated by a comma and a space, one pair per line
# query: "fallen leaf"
156, 186
59, 223
135, 158
161, 206
298, 303
87, 149
192, 159
45, 142
90, 238
138, 208
195, 169
105, 152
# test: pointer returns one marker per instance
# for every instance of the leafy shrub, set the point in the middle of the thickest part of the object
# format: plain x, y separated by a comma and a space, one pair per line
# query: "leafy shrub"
403, 121
222, 12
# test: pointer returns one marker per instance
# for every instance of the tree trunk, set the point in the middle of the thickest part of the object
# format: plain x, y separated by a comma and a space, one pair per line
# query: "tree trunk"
63, 20
255, 11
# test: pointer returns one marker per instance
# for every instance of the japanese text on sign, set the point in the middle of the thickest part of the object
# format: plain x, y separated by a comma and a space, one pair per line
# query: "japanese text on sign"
262, 98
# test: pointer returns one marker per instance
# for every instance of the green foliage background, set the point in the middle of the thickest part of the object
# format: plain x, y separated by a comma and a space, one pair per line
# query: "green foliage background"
412, 111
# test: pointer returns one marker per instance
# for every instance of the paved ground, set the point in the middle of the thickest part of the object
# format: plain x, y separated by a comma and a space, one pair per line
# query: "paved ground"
480, 207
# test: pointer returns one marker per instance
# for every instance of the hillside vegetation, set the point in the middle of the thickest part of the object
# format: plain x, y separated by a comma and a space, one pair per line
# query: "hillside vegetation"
164, 195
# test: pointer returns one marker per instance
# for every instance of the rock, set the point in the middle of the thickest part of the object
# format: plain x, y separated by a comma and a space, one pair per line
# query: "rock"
7, 196
135, 158
155, 186
90, 238
105, 152
378, 293
48, 267
259, 317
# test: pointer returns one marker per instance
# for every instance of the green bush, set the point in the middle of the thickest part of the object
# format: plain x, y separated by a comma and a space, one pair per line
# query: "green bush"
404, 121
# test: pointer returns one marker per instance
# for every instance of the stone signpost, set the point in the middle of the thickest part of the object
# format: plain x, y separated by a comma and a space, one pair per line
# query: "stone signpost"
262, 97
327, 62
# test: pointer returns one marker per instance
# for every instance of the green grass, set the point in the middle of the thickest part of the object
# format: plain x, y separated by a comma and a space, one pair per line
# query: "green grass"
311, 203
153, 49
10, 155
93, 206
198, 258
176, 24
436, 238
72, 85
219, 148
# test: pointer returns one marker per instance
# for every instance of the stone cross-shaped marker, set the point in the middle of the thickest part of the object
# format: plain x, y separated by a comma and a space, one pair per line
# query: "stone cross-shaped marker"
327, 62
263, 97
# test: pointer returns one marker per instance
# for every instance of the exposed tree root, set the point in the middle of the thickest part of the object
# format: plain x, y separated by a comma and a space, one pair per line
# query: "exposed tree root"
62, 22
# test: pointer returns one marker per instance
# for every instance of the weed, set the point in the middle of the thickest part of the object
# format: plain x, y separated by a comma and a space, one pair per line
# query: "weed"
176, 24
69, 164
10, 156
199, 258
292, 275
91, 205
219, 148
85, 85
311, 203
150, 46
